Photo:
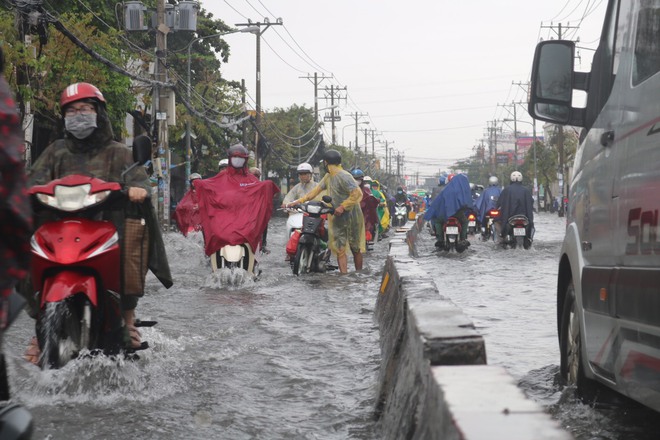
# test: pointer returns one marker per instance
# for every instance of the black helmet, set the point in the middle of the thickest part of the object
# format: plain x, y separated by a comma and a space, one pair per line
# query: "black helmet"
333, 157
238, 150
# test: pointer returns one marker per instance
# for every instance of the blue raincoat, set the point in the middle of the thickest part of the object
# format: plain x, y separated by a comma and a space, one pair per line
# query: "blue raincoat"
455, 196
487, 201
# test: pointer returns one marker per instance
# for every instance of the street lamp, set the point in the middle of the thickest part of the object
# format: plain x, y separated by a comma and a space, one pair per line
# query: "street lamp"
350, 125
250, 29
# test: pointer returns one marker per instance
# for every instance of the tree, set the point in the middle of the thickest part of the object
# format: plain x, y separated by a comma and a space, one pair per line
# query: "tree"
60, 63
291, 139
46, 67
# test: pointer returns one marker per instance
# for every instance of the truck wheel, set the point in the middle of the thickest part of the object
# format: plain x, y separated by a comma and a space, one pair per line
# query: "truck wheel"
570, 347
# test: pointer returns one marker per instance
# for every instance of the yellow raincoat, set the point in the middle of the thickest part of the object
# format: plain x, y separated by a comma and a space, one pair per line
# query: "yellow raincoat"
383, 209
347, 230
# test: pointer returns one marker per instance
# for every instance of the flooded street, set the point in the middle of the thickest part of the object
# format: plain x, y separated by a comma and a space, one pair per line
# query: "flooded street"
290, 357
510, 295
280, 358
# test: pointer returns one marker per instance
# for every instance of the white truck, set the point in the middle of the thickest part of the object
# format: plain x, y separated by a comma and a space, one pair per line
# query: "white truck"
608, 287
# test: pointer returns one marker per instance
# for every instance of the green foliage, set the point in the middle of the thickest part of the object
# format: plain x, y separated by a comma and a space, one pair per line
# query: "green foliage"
44, 71
292, 138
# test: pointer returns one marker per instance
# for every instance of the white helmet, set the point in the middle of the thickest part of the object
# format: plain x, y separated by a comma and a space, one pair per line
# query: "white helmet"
304, 168
223, 163
367, 179
194, 176
516, 176
493, 180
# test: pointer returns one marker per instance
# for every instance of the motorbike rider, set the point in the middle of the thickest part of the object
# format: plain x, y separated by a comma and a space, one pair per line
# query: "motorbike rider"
516, 199
306, 184
488, 199
15, 212
442, 181
88, 148
402, 197
256, 172
184, 209
369, 205
346, 226
383, 209
454, 201
16, 227
234, 205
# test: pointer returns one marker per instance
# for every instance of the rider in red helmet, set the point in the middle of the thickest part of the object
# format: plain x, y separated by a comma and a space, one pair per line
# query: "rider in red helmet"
89, 148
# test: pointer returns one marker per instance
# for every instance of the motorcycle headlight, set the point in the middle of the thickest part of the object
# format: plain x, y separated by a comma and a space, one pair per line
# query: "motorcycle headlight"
314, 209
72, 198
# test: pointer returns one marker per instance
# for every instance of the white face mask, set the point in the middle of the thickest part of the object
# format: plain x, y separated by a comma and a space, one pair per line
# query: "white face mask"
237, 162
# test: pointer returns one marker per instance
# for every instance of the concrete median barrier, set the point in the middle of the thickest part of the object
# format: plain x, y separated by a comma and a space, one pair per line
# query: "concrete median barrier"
433, 381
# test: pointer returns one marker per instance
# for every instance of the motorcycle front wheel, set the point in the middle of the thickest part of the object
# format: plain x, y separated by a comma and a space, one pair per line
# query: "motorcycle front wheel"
63, 330
302, 262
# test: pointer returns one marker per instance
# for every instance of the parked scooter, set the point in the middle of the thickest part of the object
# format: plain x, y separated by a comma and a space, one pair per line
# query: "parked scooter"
312, 254
518, 233
400, 215
488, 230
76, 272
15, 420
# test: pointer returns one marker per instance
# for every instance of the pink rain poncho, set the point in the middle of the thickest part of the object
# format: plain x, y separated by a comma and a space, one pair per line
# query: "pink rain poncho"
234, 207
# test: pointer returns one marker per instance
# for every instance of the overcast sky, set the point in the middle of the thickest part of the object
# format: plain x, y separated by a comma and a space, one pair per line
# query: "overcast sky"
430, 74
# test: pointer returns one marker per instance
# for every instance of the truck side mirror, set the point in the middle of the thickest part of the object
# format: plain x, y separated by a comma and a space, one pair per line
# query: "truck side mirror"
553, 81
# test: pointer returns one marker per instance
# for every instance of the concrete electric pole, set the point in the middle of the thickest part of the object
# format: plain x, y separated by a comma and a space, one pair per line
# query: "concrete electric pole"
266, 24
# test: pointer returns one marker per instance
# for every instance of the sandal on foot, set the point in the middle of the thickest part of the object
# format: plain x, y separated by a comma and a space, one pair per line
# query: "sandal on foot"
32, 353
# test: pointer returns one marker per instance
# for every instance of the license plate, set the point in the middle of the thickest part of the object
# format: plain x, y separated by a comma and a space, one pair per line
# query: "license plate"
519, 232
452, 230
472, 224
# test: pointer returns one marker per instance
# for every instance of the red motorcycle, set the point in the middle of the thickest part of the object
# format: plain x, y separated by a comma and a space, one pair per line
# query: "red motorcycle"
452, 232
76, 269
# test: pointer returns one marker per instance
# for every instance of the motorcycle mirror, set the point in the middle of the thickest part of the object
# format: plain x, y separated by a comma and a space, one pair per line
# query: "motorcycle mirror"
141, 149
327, 199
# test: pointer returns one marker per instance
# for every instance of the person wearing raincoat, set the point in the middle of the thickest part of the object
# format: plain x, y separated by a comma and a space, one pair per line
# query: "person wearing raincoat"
383, 210
15, 212
369, 205
88, 148
453, 201
346, 226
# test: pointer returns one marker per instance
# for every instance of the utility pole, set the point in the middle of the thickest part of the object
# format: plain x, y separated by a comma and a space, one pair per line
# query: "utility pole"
160, 103
492, 145
316, 80
244, 138
334, 116
386, 152
356, 117
366, 131
266, 24
23, 79
560, 131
